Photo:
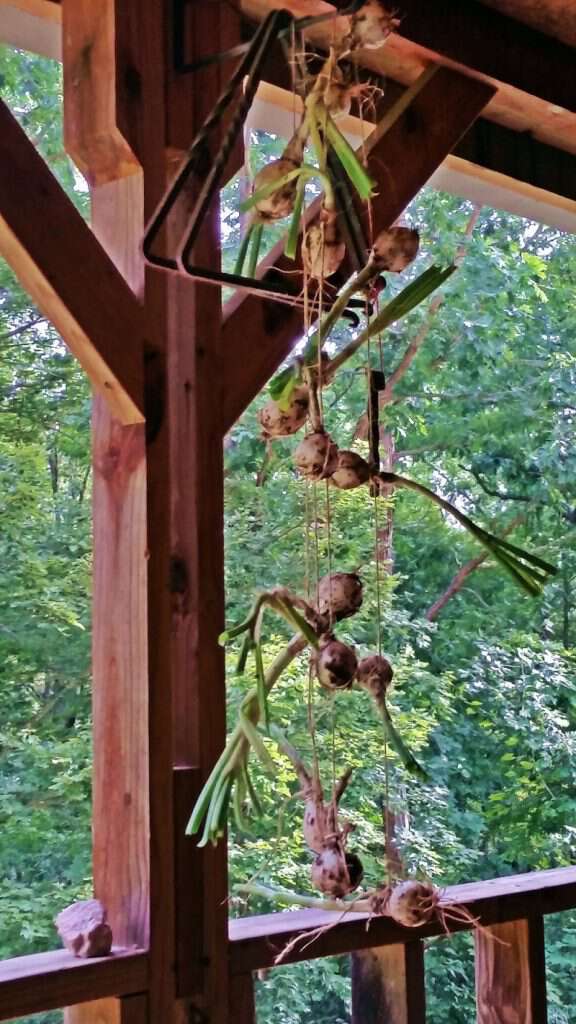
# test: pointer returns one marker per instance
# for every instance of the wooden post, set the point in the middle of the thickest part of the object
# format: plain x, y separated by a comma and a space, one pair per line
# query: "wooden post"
129, 1010
511, 973
388, 985
241, 999
184, 698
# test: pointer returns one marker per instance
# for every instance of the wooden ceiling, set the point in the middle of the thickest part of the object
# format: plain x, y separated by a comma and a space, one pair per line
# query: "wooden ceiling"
556, 18
467, 36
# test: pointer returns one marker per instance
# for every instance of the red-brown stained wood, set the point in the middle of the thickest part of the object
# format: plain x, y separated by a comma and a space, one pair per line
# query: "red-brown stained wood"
256, 941
428, 122
241, 999
46, 981
91, 135
511, 973
121, 833
61, 264
128, 1010
388, 985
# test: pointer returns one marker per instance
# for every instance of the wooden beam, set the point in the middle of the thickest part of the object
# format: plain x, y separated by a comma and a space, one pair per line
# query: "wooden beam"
511, 973
483, 40
256, 941
66, 271
242, 1007
91, 135
388, 985
427, 121
129, 1010
47, 981
120, 797
33, 25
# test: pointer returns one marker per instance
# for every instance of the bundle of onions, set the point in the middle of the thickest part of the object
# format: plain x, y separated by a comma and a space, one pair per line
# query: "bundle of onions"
335, 871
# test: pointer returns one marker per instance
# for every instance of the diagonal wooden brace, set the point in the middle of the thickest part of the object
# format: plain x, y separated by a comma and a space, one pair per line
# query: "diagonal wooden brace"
404, 150
64, 268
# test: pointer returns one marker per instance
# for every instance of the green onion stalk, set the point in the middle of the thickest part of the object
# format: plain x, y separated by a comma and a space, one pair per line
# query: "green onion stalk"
403, 303
229, 777
526, 569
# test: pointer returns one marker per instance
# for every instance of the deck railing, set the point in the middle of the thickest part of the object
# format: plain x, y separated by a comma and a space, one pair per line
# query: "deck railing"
388, 978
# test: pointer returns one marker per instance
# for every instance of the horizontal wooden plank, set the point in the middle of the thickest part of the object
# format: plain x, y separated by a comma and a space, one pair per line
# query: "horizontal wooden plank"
256, 941
47, 981
66, 271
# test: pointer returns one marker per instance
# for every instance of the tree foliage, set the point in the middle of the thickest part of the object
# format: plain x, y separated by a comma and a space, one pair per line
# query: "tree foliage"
485, 694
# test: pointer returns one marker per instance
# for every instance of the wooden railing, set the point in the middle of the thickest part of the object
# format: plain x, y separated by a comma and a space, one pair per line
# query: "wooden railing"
388, 980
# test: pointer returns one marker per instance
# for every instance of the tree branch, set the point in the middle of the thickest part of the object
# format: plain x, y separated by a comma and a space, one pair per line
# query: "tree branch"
504, 495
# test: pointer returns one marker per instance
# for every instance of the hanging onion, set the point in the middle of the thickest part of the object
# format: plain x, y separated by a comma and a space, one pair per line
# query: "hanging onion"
352, 471
370, 26
412, 903
375, 675
339, 595
334, 872
394, 249
316, 457
336, 664
278, 422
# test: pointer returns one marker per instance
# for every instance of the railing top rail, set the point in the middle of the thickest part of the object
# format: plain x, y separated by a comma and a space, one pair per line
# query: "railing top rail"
256, 941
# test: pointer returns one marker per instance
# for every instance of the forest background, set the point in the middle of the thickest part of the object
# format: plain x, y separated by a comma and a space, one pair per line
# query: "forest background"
485, 686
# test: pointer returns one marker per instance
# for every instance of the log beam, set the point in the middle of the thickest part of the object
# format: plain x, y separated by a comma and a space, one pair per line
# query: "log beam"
427, 121
61, 264
511, 973
388, 985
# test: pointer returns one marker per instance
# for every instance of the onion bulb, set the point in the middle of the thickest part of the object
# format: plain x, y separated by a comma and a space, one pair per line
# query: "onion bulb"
412, 903
394, 250
334, 872
339, 595
370, 26
323, 247
316, 457
277, 422
336, 664
352, 471
280, 203
375, 675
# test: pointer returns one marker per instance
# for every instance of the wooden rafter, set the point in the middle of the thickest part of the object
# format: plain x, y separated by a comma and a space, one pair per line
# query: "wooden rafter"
60, 263
483, 40
427, 123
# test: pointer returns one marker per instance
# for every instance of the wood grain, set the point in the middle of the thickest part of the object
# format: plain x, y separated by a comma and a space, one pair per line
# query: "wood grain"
388, 985
128, 1010
259, 334
511, 973
256, 941
91, 135
241, 998
47, 981
61, 264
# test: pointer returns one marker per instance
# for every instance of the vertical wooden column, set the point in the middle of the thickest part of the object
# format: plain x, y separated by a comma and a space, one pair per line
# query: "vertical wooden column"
162, 111
388, 985
511, 973
241, 999
121, 860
